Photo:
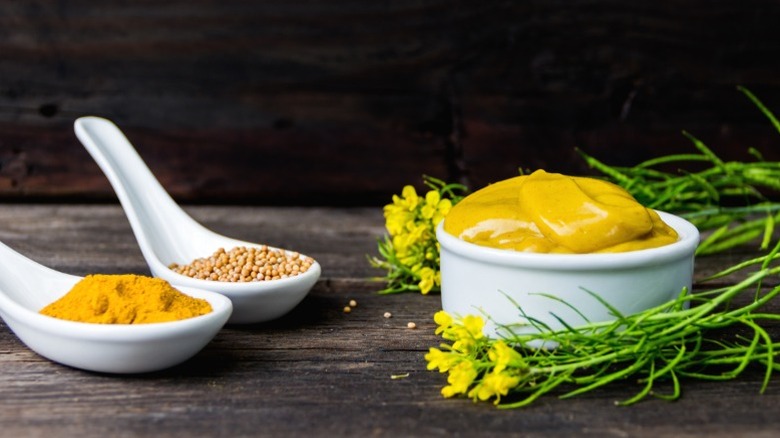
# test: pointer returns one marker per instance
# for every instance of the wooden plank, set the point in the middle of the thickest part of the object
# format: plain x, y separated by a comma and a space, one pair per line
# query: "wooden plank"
317, 371
220, 166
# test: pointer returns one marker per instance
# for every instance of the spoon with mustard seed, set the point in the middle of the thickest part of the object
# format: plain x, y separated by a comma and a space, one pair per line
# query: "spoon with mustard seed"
27, 286
177, 248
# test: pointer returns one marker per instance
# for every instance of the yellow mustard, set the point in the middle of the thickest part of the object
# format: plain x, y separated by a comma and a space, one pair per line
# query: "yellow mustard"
553, 213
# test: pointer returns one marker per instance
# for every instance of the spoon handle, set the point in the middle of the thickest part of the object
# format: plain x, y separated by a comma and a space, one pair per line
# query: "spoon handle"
157, 221
14, 264
25, 281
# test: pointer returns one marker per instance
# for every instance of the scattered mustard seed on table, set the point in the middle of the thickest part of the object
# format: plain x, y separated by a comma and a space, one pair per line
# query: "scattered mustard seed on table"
388, 315
411, 325
244, 264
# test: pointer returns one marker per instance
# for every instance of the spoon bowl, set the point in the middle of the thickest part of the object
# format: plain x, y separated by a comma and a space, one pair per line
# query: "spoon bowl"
167, 235
26, 287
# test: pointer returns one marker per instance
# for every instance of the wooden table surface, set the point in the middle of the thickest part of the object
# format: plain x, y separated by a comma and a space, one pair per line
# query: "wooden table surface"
317, 371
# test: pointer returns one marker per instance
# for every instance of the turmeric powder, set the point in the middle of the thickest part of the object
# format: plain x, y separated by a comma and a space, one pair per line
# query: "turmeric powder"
125, 299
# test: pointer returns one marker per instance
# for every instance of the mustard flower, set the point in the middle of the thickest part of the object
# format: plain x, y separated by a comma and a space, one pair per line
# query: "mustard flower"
428, 279
397, 219
417, 232
443, 361
474, 325
460, 379
443, 320
504, 356
494, 385
408, 199
435, 208
410, 249
466, 334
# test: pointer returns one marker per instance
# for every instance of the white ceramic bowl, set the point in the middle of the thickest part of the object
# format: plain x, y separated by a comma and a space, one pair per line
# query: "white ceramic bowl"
484, 281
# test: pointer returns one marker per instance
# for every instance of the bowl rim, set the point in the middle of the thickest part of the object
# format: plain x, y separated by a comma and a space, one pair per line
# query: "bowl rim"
684, 247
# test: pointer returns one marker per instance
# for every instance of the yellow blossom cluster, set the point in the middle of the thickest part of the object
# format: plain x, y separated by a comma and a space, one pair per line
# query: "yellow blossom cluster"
477, 366
410, 250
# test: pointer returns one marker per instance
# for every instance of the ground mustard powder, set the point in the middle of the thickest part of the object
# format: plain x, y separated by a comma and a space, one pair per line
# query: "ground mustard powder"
125, 299
553, 213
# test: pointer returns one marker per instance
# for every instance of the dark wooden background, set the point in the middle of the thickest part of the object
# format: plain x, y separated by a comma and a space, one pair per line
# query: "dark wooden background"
342, 102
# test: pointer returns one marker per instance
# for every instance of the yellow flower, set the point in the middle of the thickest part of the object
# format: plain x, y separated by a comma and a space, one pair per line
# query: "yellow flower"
435, 208
444, 207
466, 334
494, 385
400, 245
408, 199
441, 360
503, 355
463, 345
397, 219
411, 244
427, 280
443, 320
403, 242
409, 259
416, 232
460, 378
474, 325
432, 199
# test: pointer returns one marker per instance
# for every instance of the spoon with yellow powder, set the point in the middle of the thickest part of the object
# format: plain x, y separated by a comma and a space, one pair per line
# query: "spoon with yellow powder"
168, 236
26, 287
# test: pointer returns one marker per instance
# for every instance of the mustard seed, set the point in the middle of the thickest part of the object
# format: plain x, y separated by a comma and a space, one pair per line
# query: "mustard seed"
347, 309
388, 315
411, 325
353, 303
242, 264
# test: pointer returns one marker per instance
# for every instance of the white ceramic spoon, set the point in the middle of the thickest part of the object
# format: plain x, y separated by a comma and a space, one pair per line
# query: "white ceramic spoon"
26, 287
166, 234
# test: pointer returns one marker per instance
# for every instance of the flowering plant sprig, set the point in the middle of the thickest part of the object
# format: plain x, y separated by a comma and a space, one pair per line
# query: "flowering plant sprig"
410, 252
683, 338
656, 346
728, 198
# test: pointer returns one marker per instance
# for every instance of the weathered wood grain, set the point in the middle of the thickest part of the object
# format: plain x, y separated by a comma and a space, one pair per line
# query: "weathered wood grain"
343, 102
317, 371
